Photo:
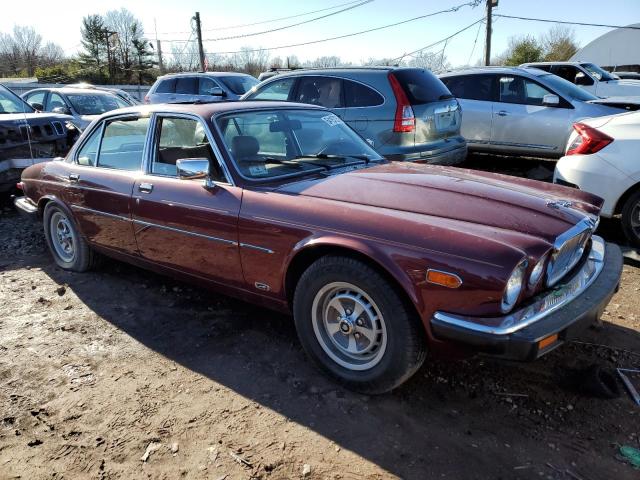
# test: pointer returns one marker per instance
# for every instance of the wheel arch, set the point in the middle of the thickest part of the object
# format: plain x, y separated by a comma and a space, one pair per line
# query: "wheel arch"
624, 197
307, 253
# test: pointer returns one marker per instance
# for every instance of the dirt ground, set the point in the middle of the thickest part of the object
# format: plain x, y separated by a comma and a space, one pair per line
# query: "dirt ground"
124, 374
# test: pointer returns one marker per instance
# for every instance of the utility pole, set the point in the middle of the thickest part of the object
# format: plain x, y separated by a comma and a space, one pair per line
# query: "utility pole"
199, 34
160, 63
487, 44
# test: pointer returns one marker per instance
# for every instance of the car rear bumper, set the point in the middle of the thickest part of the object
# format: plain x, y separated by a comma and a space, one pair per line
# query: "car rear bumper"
450, 152
550, 319
26, 208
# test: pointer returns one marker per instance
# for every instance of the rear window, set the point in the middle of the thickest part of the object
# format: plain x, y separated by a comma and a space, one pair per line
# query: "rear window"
239, 84
421, 86
358, 95
167, 86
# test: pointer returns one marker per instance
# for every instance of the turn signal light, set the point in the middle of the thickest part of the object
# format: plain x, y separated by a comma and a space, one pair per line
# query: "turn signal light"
545, 342
445, 279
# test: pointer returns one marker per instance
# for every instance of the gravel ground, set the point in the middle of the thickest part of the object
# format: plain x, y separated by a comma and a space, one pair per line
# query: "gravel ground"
120, 373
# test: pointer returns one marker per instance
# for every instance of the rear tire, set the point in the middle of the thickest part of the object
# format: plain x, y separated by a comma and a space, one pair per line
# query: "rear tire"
356, 326
70, 251
631, 219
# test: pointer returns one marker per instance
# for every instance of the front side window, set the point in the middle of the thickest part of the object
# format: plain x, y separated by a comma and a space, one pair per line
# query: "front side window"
358, 95
205, 86
274, 143
568, 72
521, 90
239, 84
89, 151
471, 87
54, 101
123, 143
36, 98
94, 104
181, 139
276, 90
324, 91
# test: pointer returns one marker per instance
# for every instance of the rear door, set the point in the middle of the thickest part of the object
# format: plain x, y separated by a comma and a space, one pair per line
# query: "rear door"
165, 91
476, 94
321, 90
365, 110
522, 123
186, 89
436, 110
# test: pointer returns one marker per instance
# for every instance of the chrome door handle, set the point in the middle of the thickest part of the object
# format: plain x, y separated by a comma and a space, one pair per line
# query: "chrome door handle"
74, 177
145, 187
503, 113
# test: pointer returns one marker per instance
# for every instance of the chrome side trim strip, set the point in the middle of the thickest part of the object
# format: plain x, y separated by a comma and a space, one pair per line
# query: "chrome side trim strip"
99, 212
256, 247
542, 306
185, 232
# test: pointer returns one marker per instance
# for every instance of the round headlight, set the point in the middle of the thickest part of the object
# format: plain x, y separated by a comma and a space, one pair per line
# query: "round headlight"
536, 273
513, 288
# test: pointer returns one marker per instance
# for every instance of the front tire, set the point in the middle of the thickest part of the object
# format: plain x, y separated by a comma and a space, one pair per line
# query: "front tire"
631, 219
356, 327
69, 250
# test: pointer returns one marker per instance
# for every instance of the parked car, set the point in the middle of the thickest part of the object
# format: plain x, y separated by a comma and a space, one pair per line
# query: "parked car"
405, 113
83, 104
122, 94
602, 158
523, 111
590, 77
272, 72
626, 75
284, 205
204, 87
28, 137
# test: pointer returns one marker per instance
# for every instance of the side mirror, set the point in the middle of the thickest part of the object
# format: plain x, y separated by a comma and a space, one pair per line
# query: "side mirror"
582, 79
37, 106
61, 110
551, 100
192, 168
217, 92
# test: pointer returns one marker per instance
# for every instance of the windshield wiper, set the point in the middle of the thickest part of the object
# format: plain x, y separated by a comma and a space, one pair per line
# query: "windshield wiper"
289, 163
331, 156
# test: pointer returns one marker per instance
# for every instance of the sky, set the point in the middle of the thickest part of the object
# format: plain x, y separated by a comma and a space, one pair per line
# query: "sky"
60, 23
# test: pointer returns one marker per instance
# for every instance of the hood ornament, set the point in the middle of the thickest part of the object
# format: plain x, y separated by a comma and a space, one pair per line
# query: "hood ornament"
557, 204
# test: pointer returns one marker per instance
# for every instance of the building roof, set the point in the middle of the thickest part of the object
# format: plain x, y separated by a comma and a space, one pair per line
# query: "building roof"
616, 47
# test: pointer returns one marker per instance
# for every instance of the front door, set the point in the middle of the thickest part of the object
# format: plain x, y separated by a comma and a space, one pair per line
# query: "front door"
182, 224
101, 180
522, 123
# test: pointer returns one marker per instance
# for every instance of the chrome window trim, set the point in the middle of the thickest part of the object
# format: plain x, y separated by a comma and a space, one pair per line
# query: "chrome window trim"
185, 232
256, 247
543, 306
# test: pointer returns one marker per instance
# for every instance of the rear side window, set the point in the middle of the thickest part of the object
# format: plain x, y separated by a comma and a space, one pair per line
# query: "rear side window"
187, 86
122, 144
421, 86
358, 95
167, 86
471, 87
276, 90
324, 91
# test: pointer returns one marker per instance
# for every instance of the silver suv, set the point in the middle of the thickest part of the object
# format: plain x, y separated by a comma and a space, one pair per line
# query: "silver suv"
405, 113
204, 87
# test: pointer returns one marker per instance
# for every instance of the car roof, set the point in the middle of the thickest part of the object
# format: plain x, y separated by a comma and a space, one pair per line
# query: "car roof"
536, 72
199, 74
75, 90
552, 63
338, 70
207, 110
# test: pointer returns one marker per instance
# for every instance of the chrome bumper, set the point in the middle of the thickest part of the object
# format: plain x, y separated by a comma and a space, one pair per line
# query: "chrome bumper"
542, 307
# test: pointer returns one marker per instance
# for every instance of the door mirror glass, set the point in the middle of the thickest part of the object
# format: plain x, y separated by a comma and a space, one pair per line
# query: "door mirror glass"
61, 110
551, 100
192, 168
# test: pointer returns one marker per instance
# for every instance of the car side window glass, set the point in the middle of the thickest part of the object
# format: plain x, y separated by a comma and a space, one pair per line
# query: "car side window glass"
186, 86
511, 90
476, 87
276, 90
180, 139
167, 86
324, 91
122, 143
567, 72
205, 85
37, 97
534, 92
54, 101
358, 95
89, 150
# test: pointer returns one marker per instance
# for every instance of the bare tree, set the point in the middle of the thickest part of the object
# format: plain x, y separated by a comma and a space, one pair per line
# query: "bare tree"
250, 60
10, 58
559, 44
50, 54
129, 32
435, 61
29, 43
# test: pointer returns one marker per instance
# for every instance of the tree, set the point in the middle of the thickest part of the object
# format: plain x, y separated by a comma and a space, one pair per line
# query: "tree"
128, 33
29, 43
10, 58
93, 33
436, 62
523, 50
559, 44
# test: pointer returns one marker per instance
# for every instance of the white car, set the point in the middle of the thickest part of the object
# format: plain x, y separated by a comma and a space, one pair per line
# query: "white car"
602, 158
591, 78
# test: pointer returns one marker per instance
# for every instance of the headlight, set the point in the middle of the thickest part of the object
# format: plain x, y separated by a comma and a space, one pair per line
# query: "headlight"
513, 288
536, 273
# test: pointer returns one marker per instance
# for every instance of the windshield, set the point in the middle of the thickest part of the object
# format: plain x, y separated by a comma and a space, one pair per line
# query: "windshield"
274, 143
94, 104
598, 72
566, 88
11, 103
239, 84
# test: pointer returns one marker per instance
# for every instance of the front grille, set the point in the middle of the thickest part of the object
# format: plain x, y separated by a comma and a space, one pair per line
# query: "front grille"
567, 254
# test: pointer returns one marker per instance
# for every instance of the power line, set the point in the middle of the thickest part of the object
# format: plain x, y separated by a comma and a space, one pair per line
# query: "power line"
475, 42
473, 3
229, 27
546, 20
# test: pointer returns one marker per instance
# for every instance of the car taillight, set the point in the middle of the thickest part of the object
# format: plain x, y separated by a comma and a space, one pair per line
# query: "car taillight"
589, 140
146, 99
405, 119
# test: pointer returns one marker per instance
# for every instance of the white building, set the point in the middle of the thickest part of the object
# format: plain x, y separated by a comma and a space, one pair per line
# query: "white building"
618, 49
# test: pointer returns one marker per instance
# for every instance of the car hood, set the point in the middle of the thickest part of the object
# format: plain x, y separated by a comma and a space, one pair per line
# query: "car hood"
469, 198
631, 102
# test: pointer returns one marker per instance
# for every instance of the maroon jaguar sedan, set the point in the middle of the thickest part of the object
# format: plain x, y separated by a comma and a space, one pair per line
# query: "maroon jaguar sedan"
283, 205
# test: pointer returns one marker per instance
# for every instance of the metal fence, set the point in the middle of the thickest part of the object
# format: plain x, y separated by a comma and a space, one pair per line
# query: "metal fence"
137, 91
